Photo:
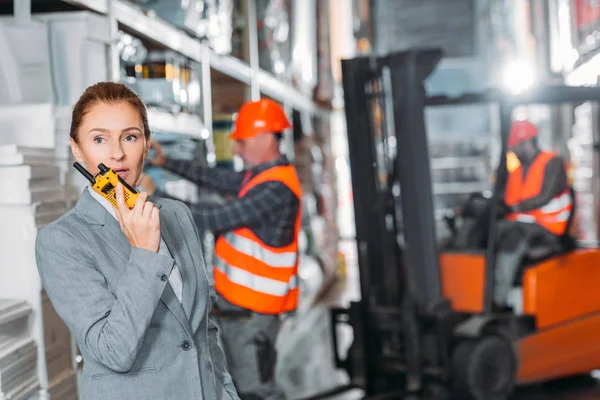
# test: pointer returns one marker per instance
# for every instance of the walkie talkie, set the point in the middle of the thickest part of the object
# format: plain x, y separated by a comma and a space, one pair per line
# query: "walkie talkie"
105, 183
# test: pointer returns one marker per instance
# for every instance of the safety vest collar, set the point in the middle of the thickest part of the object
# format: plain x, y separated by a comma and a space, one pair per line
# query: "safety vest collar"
522, 185
282, 173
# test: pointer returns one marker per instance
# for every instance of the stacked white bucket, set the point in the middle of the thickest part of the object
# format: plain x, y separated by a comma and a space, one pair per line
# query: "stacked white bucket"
73, 181
27, 176
45, 65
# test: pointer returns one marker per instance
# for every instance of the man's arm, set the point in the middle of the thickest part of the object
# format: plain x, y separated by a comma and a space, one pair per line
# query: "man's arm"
249, 210
219, 179
555, 182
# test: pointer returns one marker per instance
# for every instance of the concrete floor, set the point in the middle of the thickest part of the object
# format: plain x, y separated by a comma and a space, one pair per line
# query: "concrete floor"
578, 389
587, 388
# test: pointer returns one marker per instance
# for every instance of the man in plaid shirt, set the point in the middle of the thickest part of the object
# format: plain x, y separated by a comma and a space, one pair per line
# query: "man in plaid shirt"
256, 253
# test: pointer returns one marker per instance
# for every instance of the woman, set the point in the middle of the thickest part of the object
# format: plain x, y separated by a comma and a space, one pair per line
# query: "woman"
131, 285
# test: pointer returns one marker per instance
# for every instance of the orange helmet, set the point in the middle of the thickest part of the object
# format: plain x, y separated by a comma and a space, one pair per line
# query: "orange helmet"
256, 117
521, 131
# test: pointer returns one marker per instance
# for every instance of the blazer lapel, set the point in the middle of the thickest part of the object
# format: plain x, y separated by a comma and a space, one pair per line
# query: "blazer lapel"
99, 218
172, 303
178, 246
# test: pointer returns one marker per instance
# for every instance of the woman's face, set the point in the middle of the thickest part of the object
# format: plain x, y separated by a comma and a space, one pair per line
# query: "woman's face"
112, 134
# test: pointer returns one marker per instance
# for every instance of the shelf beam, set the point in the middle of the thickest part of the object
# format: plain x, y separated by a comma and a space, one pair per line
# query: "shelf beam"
158, 30
253, 46
99, 6
231, 66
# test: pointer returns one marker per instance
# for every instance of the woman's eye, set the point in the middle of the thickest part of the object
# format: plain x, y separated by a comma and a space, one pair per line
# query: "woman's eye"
130, 138
98, 140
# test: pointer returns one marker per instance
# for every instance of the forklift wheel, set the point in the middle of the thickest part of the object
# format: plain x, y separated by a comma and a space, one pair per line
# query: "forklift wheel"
484, 369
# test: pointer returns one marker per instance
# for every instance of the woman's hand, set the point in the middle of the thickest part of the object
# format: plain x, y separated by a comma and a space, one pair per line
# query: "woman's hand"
147, 184
140, 225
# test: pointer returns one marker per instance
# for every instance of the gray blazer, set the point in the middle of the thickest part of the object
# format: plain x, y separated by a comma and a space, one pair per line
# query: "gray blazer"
137, 340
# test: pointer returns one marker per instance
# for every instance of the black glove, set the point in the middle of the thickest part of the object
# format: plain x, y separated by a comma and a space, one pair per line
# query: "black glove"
503, 210
516, 208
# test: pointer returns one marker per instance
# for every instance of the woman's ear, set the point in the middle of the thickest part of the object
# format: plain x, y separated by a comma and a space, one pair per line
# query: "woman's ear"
76, 151
147, 145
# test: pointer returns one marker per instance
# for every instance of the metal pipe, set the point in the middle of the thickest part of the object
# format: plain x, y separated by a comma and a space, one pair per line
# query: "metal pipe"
540, 23
253, 49
501, 176
288, 135
114, 67
22, 11
211, 158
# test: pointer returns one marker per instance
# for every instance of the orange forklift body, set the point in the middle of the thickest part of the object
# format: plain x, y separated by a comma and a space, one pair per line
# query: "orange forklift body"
562, 295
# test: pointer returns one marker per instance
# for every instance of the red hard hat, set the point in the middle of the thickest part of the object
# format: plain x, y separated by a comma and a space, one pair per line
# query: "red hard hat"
521, 131
256, 117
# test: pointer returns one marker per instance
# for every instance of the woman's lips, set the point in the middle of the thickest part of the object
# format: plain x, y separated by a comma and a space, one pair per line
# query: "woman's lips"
122, 172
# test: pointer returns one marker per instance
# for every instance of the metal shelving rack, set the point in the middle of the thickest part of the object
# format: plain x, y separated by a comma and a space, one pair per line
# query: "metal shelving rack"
457, 175
161, 32
134, 20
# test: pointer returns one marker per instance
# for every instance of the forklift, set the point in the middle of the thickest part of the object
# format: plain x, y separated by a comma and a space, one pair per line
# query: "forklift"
426, 325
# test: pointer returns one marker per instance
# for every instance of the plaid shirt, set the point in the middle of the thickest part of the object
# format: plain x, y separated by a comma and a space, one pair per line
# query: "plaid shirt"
269, 209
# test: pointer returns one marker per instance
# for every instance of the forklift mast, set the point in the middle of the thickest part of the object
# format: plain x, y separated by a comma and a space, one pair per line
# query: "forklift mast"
395, 226
384, 103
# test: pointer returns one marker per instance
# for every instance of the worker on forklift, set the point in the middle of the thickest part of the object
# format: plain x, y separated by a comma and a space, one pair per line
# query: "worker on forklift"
256, 253
537, 202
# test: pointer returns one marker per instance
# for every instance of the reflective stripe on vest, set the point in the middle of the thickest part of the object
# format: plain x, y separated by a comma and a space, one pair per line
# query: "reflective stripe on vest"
252, 274
253, 249
554, 215
256, 283
557, 204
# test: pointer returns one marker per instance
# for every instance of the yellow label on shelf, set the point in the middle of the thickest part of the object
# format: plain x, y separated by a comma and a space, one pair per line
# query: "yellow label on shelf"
222, 125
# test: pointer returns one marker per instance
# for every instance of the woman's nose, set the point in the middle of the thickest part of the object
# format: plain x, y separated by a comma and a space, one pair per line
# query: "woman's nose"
117, 152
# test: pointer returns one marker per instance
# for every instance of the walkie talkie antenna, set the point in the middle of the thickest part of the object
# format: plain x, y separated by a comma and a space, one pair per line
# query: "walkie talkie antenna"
84, 172
103, 168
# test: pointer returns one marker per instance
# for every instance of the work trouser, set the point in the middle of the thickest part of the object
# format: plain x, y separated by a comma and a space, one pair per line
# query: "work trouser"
248, 340
514, 240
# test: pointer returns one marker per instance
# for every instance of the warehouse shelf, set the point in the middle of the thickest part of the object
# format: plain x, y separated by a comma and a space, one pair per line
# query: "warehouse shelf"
99, 6
157, 30
13, 309
459, 187
176, 39
457, 162
231, 66
183, 124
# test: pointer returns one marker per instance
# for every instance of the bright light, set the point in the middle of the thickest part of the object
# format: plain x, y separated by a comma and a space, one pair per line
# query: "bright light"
518, 76
340, 164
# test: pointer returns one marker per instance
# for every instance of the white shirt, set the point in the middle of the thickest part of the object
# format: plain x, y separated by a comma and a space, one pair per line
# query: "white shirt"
175, 278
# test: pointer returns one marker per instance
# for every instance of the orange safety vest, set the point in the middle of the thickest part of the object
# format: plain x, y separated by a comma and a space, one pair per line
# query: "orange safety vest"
552, 216
251, 274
